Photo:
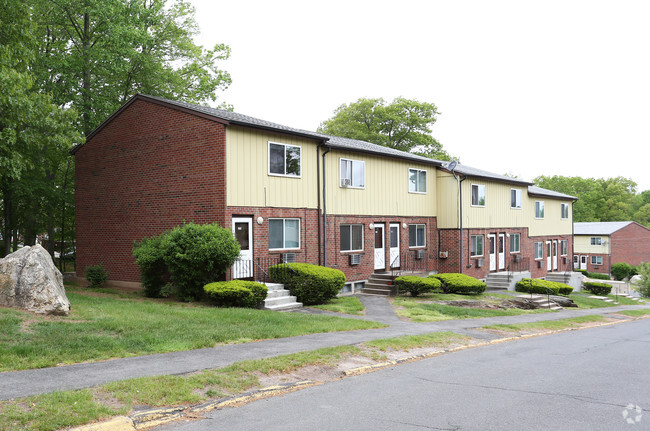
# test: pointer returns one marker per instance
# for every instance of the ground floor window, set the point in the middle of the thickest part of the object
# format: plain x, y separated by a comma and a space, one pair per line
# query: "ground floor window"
351, 237
476, 245
564, 247
515, 243
284, 233
417, 235
539, 250
596, 260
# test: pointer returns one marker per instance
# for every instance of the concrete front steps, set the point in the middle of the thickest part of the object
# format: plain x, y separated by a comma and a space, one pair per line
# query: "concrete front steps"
541, 301
497, 281
279, 299
380, 284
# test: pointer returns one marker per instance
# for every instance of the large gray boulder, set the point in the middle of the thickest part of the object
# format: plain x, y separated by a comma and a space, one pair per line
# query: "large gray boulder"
30, 281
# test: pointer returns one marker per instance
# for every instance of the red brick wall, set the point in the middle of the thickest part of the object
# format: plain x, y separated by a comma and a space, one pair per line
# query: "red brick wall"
631, 245
148, 170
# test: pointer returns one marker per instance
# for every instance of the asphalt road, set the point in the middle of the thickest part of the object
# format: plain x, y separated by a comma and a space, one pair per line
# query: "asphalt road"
591, 379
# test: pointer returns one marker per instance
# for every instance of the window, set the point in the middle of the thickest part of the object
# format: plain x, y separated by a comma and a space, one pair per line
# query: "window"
564, 210
596, 260
478, 195
539, 209
515, 243
515, 198
353, 173
596, 240
476, 246
284, 159
564, 247
284, 233
539, 250
417, 181
351, 237
417, 235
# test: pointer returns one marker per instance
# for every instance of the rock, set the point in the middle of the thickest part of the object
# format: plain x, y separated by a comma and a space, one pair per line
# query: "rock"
30, 281
563, 301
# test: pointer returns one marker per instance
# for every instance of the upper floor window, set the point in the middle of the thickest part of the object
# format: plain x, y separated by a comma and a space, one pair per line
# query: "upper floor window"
284, 159
284, 233
515, 198
478, 195
539, 209
351, 237
564, 210
417, 237
596, 240
515, 243
476, 245
353, 173
417, 181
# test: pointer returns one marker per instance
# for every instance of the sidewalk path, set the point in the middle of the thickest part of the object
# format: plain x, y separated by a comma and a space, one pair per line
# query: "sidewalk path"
18, 384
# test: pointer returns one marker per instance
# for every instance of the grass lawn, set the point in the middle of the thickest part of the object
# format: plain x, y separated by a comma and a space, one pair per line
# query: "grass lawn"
572, 322
343, 304
583, 301
103, 327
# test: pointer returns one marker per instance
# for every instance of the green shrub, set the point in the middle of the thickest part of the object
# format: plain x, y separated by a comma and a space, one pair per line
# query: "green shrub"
193, 255
643, 285
598, 288
96, 275
416, 285
311, 284
460, 283
621, 271
536, 285
236, 293
598, 276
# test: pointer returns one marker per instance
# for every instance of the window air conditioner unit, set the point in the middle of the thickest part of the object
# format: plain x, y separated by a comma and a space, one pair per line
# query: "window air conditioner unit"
517, 258
420, 254
355, 259
480, 263
288, 257
443, 254
540, 263
346, 182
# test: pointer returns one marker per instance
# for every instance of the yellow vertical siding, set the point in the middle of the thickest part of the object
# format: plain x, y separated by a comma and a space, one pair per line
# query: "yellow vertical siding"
582, 245
248, 182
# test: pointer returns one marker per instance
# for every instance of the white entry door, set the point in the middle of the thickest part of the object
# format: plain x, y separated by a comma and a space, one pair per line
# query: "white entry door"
242, 228
394, 245
549, 261
555, 255
576, 262
492, 238
502, 254
583, 262
380, 247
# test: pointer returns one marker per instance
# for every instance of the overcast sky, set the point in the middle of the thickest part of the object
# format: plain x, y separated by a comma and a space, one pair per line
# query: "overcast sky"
524, 87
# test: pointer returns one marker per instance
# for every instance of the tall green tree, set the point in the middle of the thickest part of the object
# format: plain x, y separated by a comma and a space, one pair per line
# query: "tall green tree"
403, 124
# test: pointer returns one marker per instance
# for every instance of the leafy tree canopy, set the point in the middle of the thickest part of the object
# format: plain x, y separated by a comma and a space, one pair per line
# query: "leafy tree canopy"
403, 124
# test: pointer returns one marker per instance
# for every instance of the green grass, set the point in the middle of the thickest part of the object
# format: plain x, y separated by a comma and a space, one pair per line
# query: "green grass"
582, 300
548, 324
101, 327
407, 342
636, 313
343, 304
419, 311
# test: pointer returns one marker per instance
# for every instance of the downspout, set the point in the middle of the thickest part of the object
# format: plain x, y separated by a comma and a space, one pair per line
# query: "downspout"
318, 209
325, 210
460, 204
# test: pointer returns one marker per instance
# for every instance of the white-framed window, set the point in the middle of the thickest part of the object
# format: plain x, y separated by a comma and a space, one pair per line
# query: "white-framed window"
353, 173
284, 160
351, 237
284, 233
515, 198
596, 260
515, 243
539, 250
476, 245
417, 235
564, 247
478, 195
539, 209
596, 240
564, 211
417, 181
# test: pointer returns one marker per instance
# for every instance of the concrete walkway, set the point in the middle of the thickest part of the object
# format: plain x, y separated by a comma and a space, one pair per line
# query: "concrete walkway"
32, 382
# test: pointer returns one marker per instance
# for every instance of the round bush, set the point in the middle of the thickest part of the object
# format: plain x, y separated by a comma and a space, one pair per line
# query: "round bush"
236, 293
416, 285
311, 284
149, 255
621, 271
543, 287
460, 283
598, 288
96, 275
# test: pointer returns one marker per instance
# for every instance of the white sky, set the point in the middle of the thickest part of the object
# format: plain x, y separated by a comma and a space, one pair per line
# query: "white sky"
524, 87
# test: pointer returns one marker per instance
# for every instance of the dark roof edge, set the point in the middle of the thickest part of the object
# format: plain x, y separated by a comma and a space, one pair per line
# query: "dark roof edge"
405, 155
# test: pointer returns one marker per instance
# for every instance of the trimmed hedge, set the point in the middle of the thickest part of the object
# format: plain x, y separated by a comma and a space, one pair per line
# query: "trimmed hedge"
536, 285
311, 284
416, 285
598, 288
236, 293
460, 283
595, 275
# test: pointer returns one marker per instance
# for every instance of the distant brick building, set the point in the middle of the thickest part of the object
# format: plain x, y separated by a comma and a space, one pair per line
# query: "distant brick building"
599, 245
